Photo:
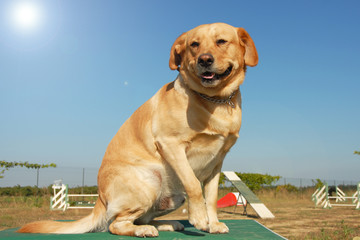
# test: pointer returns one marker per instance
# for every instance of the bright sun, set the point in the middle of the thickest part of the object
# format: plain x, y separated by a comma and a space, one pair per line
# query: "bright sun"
26, 15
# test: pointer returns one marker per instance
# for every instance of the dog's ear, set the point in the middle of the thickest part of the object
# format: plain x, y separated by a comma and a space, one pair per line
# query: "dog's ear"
251, 56
177, 50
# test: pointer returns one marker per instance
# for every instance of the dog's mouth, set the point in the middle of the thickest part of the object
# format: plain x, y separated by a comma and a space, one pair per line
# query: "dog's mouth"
210, 77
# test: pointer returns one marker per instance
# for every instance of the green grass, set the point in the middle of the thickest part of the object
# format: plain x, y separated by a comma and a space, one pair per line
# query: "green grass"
6, 221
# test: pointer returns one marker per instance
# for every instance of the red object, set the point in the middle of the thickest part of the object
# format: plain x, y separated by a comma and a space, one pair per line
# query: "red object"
227, 201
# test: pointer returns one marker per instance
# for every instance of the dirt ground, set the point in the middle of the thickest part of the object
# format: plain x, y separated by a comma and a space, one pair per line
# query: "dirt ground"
295, 216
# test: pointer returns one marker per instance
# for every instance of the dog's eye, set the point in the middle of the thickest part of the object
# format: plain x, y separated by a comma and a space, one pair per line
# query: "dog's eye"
221, 42
194, 44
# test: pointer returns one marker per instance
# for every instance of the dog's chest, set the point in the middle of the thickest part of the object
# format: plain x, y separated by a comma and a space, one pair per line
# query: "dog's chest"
213, 138
206, 151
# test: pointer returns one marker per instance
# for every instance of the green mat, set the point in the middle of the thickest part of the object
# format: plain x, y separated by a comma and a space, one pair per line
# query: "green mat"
239, 229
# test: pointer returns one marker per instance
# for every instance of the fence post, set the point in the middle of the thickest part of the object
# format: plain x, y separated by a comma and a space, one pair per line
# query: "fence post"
83, 178
66, 197
37, 177
358, 195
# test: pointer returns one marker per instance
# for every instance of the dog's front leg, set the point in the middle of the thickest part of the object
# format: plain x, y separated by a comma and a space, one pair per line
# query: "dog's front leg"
211, 193
174, 154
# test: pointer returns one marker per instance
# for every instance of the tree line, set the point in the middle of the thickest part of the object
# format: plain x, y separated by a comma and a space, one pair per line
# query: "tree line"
5, 165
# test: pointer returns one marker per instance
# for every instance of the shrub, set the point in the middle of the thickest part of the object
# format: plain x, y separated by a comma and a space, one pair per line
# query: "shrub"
255, 181
287, 187
318, 183
84, 190
23, 191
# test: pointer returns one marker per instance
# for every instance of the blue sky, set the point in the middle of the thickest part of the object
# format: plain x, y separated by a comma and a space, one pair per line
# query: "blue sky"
68, 83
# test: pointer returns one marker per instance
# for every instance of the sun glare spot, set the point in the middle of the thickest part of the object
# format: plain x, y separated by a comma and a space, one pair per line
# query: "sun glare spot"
26, 15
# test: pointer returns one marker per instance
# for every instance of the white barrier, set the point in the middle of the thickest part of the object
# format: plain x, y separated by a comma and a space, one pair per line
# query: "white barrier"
319, 194
340, 195
60, 200
321, 197
356, 196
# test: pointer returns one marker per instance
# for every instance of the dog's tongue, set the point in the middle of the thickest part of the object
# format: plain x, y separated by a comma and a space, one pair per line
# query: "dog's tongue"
208, 75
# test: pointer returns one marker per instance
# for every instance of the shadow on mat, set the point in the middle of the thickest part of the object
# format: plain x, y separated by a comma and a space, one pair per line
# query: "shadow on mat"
240, 214
187, 232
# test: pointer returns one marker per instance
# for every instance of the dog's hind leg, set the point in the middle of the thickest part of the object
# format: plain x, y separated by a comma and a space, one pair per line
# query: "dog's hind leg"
163, 206
126, 212
131, 196
128, 228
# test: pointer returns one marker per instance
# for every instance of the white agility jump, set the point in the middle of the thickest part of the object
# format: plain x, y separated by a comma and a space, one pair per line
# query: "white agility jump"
321, 197
60, 200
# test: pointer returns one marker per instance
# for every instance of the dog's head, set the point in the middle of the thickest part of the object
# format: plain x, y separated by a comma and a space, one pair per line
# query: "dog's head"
212, 58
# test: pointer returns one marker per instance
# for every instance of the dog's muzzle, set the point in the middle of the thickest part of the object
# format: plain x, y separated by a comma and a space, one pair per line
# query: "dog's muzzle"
205, 62
211, 76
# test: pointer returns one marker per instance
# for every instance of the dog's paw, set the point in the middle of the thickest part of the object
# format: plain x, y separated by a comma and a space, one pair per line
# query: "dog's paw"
168, 225
218, 227
146, 231
199, 221
198, 215
202, 225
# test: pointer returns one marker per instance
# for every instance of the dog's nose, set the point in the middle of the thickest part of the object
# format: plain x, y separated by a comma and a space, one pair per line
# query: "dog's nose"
205, 60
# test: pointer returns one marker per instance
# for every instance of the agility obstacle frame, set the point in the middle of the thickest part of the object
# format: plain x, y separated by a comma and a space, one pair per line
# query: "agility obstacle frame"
321, 198
60, 200
250, 197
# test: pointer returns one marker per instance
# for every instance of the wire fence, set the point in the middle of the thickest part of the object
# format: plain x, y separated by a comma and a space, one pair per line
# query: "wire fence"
306, 182
71, 176
76, 176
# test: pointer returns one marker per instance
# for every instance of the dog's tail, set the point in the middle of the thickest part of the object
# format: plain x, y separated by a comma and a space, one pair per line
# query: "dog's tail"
95, 222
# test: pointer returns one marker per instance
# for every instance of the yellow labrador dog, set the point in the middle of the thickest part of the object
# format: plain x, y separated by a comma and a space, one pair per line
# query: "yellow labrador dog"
175, 143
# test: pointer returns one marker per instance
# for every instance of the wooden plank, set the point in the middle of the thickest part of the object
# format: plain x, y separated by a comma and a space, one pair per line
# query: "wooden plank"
231, 176
262, 210
246, 192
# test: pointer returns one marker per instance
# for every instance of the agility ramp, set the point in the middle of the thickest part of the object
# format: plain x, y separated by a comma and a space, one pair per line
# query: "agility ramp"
239, 229
250, 197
